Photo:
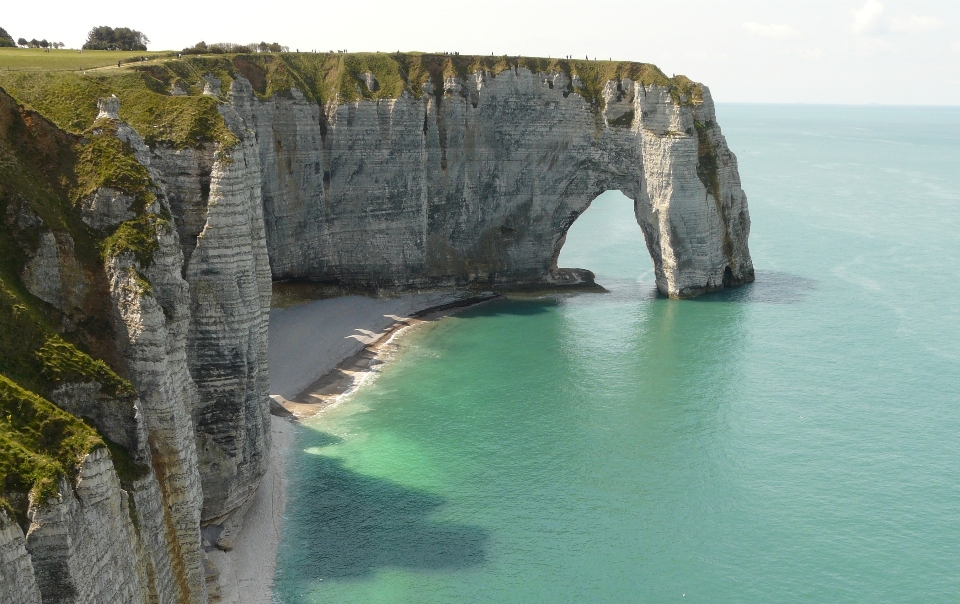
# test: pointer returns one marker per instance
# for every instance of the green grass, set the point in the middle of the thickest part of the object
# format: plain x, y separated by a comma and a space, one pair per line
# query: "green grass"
38, 442
138, 236
69, 100
44, 172
66, 59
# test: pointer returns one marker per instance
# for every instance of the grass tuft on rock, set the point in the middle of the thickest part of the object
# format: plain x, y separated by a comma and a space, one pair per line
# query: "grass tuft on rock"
38, 443
138, 236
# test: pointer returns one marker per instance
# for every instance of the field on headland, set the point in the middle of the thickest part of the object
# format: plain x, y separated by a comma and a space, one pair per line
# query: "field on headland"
36, 59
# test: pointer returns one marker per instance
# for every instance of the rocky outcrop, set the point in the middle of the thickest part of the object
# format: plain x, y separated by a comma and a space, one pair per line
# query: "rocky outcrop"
478, 183
90, 543
83, 544
219, 222
53, 274
18, 583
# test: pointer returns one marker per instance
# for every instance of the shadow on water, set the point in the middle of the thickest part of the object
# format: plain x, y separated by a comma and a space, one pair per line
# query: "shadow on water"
770, 287
516, 306
353, 525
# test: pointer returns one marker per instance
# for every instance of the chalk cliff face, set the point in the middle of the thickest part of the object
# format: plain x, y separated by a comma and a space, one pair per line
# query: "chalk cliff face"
478, 183
466, 179
191, 336
219, 221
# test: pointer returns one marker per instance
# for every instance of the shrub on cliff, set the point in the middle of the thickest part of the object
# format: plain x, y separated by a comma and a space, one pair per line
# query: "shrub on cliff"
219, 48
271, 47
6, 40
120, 38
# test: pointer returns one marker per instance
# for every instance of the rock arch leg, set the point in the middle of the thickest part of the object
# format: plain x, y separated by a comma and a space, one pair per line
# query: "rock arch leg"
692, 210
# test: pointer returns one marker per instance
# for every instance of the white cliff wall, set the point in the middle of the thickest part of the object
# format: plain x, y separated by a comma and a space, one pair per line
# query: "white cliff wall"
216, 199
293, 190
154, 347
18, 583
479, 184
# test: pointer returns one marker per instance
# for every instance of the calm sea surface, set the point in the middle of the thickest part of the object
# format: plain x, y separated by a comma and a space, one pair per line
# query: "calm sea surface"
796, 440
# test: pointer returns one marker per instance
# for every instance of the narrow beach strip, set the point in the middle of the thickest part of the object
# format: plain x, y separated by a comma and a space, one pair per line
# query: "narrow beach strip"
352, 371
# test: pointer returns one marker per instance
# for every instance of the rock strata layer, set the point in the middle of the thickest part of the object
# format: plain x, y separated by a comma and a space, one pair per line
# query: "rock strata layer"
478, 183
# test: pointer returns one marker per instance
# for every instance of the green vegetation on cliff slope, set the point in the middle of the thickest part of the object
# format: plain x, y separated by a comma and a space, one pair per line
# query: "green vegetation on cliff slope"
38, 442
44, 173
163, 99
69, 100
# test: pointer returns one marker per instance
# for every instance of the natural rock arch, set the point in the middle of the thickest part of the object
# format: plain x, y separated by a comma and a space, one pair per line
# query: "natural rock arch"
478, 183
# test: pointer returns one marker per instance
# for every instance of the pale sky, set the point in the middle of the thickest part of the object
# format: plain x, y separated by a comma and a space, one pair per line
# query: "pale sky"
814, 51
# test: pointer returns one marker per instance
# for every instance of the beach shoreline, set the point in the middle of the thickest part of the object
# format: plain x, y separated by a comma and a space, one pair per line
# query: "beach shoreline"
322, 350
353, 370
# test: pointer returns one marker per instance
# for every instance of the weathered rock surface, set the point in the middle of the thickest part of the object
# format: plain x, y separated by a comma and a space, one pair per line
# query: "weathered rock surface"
18, 583
218, 215
53, 274
479, 183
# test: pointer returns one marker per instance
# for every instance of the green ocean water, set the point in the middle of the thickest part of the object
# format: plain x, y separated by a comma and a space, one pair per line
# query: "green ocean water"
796, 440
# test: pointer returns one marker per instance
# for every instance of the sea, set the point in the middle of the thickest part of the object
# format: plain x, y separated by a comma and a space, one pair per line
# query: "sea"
793, 440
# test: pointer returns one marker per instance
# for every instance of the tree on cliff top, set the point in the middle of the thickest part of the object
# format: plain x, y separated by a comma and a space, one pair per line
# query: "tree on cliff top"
6, 39
120, 38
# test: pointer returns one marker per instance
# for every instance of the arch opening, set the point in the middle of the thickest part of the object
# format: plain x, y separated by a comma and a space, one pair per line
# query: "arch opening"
606, 240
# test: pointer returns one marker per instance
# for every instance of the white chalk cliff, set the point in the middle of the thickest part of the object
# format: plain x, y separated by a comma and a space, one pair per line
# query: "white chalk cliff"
471, 180
479, 184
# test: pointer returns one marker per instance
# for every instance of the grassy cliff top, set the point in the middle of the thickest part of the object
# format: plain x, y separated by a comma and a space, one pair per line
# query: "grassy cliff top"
68, 59
163, 98
338, 77
69, 100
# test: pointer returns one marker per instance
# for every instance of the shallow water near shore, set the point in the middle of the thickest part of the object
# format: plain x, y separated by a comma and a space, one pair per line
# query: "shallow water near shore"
795, 440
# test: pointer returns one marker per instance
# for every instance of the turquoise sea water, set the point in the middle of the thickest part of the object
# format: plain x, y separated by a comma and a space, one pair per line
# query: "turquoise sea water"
796, 440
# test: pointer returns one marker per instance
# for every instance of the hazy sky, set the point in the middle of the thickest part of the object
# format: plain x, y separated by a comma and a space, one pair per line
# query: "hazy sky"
814, 51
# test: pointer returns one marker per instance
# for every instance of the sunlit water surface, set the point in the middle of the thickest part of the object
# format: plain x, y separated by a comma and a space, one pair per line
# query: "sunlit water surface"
792, 441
